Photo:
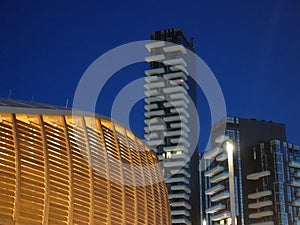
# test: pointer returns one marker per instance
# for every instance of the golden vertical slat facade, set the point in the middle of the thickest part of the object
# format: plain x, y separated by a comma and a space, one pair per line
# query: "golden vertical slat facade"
56, 168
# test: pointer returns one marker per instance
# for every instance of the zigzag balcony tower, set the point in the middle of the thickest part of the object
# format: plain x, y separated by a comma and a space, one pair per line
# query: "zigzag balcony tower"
168, 88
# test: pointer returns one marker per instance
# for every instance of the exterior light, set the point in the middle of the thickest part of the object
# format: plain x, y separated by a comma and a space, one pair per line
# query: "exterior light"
204, 222
229, 147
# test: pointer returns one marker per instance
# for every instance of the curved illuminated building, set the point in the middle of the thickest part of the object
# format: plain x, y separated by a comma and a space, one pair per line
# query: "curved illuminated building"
56, 168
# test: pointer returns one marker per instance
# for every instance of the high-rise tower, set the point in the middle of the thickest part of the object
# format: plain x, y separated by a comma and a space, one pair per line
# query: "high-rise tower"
265, 175
168, 91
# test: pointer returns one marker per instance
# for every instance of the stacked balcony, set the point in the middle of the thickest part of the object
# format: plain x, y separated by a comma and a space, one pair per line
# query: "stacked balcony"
166, 121
262, 201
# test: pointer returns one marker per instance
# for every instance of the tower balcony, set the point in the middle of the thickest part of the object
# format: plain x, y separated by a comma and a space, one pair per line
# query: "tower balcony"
159, 127
215, 189
176, 75
159, 98
181, 133
270, 222
154, 85
154, 143
297, 174
151, 106
180, 125
179, 82
221, 216
180, 204
175, 164
181, 111
215, 208
152, 93
296, 203
181, 188
175, 89
179, 96
260, 194
155, 44
219, 197
179, 68
151, 79
155, 71
258, 175
175, 118
152, 121
155, 58
177, 180
295, 183
220, 177
221, 139
262, 214
152, 135
180, 213
181, 156
214, 171
181, 141
258, 205
213, 153
181, 221
176, 148
175, 48
179, 196
294, 164
175, 62
181, 171
222, 157
154, 113
178, 103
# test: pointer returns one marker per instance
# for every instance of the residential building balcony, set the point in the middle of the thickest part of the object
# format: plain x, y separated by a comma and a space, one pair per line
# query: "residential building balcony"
180, 212
175, 62
262, 214
220, 177
215, 208
214, 171
294, 164
155, 44
219, 197
155, 71
181, 188
258, 175
214, 189
260, 194
175, 48
221, 216
258, 205
212, 153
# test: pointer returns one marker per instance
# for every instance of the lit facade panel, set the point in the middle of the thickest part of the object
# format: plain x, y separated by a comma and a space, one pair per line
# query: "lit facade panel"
62, 169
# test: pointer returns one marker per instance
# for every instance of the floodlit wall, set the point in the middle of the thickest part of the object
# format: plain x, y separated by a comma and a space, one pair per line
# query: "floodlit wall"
59, 169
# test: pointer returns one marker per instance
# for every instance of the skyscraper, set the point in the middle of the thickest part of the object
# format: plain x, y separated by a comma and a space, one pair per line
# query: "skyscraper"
262, 159
168, 90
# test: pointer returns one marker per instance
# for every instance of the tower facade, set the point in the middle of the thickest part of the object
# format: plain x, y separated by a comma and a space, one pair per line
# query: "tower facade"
265, 175
168, 89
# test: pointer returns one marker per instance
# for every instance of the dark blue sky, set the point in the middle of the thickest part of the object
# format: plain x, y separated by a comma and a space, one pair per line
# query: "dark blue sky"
253, 48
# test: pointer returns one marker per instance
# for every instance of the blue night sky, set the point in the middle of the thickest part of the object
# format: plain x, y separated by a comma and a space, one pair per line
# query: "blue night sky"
252, 47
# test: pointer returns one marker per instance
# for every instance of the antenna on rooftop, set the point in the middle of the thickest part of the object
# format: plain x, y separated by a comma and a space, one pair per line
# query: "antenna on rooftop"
9, 93
67, 102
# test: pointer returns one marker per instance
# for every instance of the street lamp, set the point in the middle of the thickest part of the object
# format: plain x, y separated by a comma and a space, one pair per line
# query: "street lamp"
229, 148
